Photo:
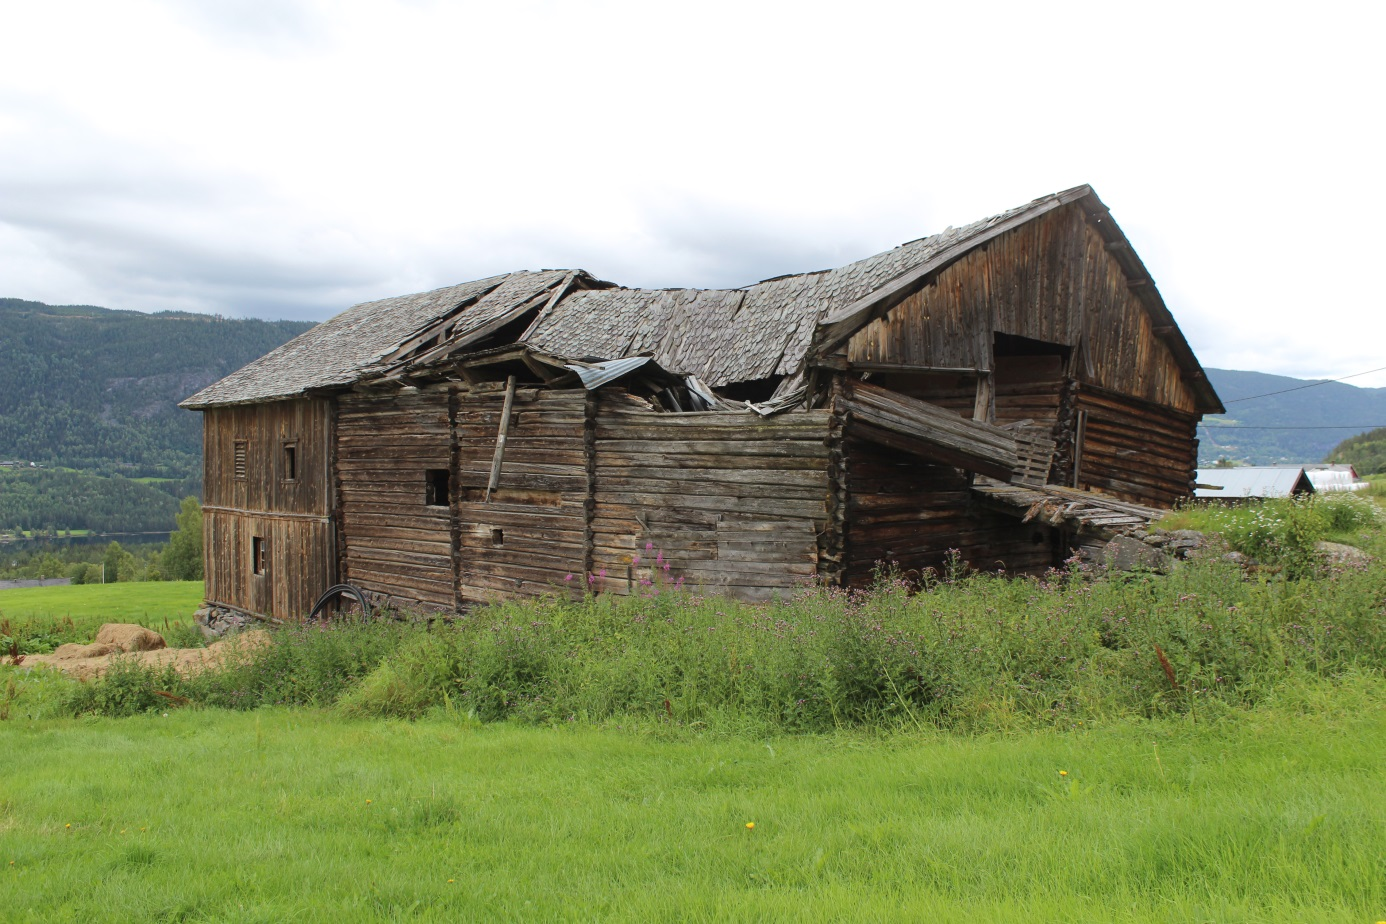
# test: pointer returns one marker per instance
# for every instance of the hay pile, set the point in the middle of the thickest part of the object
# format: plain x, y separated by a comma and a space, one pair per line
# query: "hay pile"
121, 640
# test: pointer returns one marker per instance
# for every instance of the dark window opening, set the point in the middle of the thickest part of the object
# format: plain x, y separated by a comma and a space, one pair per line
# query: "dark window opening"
240, 465
498, 538
289, 462
1014, 345
436, 487
259, 555
754, 390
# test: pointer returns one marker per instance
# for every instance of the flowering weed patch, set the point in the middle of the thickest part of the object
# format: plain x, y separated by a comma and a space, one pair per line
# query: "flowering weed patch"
1282, 532
973, 653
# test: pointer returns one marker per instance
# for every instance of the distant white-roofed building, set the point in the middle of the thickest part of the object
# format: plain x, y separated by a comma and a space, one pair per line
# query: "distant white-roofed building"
1327, 477
1252, 481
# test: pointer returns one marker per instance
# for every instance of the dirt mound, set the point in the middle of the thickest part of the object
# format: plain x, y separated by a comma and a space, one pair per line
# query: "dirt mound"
140, 645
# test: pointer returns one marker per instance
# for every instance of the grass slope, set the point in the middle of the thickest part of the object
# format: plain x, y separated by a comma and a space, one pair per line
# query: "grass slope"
74, 613
300, 815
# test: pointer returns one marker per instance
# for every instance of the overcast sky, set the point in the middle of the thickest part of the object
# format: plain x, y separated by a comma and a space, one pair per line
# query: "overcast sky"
291, 158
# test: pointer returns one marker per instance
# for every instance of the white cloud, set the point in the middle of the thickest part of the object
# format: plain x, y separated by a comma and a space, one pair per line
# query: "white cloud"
294, 157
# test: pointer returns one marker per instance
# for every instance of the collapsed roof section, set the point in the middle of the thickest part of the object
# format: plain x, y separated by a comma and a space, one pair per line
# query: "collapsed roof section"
769, 332
341, 352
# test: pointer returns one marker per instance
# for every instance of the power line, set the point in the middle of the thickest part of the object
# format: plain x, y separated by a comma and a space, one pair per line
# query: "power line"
1301, 387
1209, 426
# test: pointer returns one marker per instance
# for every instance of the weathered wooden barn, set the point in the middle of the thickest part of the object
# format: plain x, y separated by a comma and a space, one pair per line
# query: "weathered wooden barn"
1009, 389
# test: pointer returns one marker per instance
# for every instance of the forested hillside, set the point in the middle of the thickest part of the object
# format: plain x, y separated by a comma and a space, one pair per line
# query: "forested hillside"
95, 389
1342, 410
1366, 452
45, 499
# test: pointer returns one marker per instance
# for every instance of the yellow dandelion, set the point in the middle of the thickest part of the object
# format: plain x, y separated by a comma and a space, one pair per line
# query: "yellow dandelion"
452, 880
750, 825
368, 801
144, 829
1063, 773
69, 826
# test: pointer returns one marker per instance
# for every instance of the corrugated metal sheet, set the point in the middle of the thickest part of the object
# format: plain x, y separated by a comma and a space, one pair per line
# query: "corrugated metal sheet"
1250, 481
595, 375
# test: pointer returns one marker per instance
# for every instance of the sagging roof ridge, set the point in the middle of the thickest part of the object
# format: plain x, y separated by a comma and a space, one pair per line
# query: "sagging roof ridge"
772, 327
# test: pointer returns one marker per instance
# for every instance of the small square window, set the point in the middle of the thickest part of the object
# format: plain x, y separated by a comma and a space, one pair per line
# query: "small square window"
498, 538
242, 448
436, 487
288, 462
259, 555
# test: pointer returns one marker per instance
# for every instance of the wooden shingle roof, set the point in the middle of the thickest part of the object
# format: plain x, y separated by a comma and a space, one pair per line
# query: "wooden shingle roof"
730, 335
720, 335
340, 351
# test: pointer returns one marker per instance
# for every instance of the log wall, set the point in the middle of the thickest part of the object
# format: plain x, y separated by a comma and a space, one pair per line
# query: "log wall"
394, 543
532, 533
1026, 388
1135, 450
733, 502
902, 510
250, 492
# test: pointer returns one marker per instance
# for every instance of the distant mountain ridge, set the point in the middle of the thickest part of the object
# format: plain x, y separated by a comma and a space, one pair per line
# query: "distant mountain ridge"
97, 389
1346, 409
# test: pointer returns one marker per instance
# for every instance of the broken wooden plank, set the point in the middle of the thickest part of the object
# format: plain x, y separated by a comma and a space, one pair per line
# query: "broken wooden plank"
500, 436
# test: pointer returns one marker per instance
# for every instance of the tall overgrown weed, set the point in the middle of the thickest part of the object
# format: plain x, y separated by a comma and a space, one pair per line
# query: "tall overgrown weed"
980, 652
1284, 532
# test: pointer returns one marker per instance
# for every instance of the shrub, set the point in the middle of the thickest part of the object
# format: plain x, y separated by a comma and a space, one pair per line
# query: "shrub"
1284, 532
981, 652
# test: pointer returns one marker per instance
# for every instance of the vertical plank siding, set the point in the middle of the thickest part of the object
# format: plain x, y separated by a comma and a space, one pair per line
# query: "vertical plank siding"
1051, 280
301, 552
533, 531
292, 515
733, 502
395, 544
264, 429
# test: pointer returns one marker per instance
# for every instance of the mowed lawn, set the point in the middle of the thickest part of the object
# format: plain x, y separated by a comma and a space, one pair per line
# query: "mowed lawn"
149, 603
297, 815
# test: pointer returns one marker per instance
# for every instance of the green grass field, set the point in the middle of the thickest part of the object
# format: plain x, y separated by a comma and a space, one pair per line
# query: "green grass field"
300, 815
74, 613
1001, 766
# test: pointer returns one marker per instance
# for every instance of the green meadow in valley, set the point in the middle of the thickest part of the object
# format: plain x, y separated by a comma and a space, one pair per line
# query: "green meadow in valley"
41, 618
1199, 746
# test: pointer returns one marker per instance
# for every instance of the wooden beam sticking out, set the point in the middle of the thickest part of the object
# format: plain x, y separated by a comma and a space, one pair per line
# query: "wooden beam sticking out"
1137, 283
546, 373
500, 438
544, 312
1079, 436
984, 408
928, 430
911, 369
